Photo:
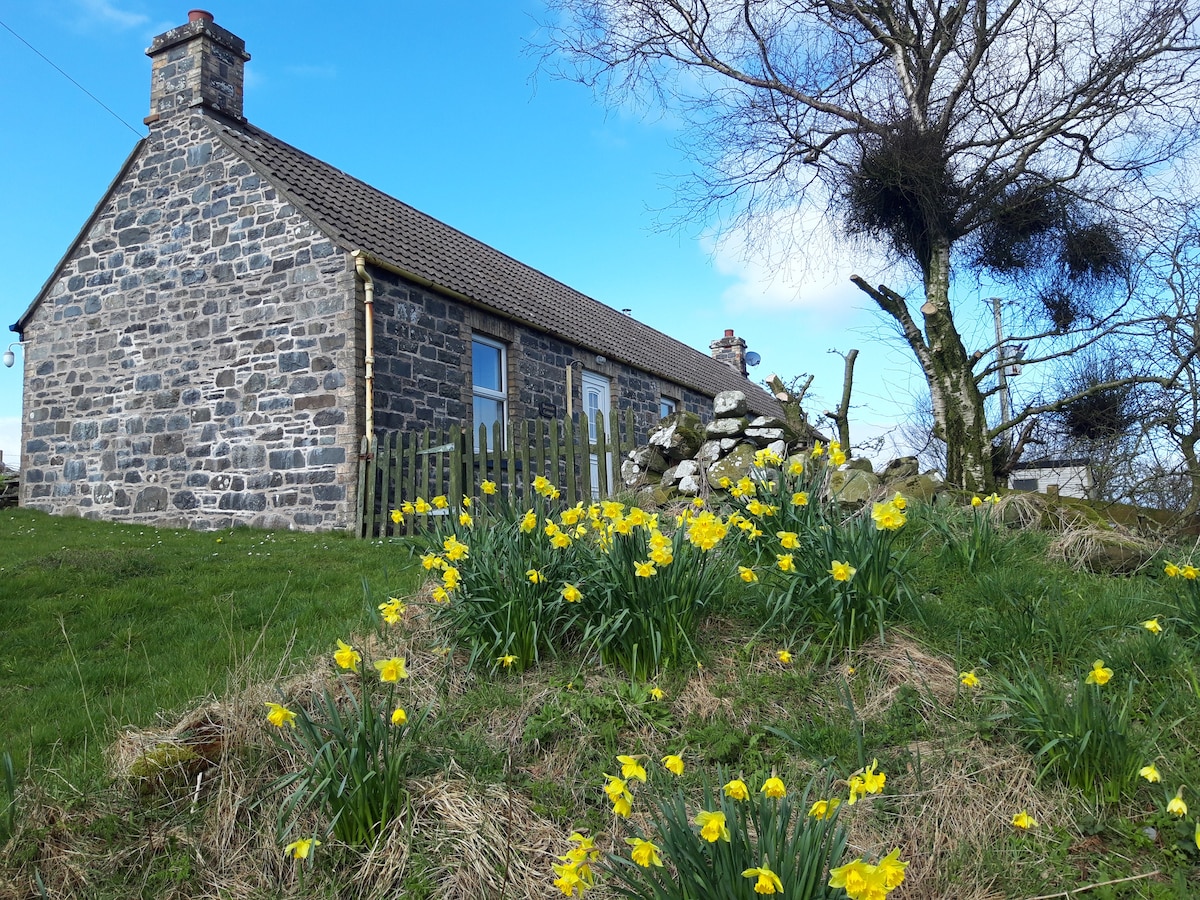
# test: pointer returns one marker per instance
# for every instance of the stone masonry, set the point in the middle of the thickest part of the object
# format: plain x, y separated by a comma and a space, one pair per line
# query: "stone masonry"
423, 365
194, 360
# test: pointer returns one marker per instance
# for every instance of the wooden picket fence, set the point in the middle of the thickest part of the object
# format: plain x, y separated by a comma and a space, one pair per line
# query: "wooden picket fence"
404, 465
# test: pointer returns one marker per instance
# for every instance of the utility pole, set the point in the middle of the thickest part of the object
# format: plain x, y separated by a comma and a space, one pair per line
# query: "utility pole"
1001, 375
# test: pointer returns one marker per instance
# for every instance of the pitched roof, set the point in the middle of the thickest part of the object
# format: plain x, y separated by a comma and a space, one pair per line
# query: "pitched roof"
359, 217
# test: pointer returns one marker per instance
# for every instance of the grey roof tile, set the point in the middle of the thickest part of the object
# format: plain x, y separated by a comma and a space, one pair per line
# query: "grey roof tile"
358, 216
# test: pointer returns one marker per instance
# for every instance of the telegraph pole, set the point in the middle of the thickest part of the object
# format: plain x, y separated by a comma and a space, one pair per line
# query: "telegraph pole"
1001, 375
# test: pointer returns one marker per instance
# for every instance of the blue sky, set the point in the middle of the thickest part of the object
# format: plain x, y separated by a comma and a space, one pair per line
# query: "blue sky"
440, 105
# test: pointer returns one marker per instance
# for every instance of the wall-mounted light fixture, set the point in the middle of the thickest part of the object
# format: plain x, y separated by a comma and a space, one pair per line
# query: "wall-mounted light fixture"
9, 356
600, 360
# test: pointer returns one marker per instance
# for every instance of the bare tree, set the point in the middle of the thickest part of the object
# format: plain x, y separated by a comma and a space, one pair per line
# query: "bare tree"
1016, 138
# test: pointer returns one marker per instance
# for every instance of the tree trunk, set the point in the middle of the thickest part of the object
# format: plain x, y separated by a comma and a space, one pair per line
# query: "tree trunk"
957, 403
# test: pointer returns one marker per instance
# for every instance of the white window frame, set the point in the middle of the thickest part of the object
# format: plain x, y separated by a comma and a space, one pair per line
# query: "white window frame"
664, 400
489, 394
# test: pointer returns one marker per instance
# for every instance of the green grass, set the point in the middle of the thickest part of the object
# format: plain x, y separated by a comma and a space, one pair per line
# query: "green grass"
106, 625
156, 619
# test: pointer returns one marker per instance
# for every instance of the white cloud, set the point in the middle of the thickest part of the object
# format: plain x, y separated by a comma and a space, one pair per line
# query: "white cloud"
109, 13
794, 261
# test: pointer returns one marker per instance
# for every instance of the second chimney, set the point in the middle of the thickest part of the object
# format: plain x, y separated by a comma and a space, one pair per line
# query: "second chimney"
197, 64
730, 350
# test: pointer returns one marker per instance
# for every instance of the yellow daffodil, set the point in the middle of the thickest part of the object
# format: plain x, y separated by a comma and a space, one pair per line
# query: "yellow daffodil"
661, 557
873, 781
836, 458
422, 506
1177, 807
768, 882
528, 521
561, 541
800, 498
796, 466
786, 562
1171, 570
488, 487
440, 595
737, 790
899, 502
977, 501
773, 788
534, 576
623, 806
399, 717
747, 574
673, 763
455, 549
570, 593
891, 869
407, 508
346, 656
440, 502
855, 878
817, 450
1188, 572
541, 484
698, 502
644, 853
302, 848
1100, 675
992, 498
397, 516
644, 569
1024, 821
631, 768
712, 826
506, 661
657, 693
1152, 626
887, 516
789, 540
968, 679
465, 520
391, 670
450, 578
784, 656
279, 715
823, 809
392, 610
431, 561
1150, 773
842, 571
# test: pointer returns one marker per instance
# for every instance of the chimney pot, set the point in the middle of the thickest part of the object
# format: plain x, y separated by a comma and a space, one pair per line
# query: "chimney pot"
728, 332
199, 15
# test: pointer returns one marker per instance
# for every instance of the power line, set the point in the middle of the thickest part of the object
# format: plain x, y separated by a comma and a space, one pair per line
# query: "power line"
70, 79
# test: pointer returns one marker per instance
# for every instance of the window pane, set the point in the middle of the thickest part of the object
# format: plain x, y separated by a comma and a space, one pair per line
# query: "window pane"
487, 412
485, 366
666, 406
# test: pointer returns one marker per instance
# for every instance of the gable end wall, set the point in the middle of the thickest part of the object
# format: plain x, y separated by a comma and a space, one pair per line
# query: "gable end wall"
193, 362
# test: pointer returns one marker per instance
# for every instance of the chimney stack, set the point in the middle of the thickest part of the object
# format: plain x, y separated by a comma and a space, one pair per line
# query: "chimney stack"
197, 64
730, 350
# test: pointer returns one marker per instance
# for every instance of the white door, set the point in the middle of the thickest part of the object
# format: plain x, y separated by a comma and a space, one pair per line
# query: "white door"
598, 399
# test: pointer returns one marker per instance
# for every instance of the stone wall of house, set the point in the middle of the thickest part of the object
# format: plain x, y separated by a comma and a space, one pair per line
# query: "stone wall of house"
423, 365
193, 363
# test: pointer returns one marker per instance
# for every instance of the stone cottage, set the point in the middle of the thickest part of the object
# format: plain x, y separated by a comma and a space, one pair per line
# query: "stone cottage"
235, 315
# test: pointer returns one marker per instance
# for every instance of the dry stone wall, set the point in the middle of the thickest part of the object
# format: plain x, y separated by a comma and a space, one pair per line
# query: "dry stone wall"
193, 362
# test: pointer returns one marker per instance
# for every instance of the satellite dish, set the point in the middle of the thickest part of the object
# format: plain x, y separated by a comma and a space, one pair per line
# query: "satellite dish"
753, 359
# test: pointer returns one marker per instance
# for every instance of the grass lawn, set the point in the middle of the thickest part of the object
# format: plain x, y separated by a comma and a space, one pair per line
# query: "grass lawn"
112, 625
117, 625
